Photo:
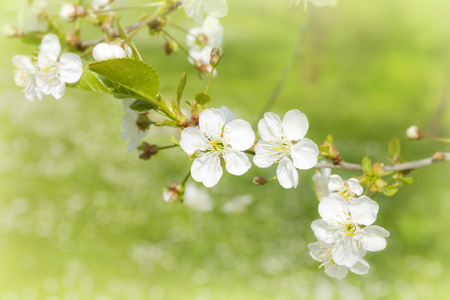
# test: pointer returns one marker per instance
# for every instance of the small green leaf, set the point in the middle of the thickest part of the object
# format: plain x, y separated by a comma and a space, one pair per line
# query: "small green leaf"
123, 35
330, 139
202, 98
142, 106
180, 87
394, 147
132, 74
367, 166
407, 180
174, 140
390, 190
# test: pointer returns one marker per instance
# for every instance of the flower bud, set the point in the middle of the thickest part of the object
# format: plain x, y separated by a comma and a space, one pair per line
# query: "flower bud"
414, 133
143, 122
258, 180
105, 51
11, 31
146, 151
70, 12
439, 156
170, 46
173, 193
216, 56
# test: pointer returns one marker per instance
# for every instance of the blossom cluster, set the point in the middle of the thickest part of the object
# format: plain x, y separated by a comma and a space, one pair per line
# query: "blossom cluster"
345, 233
48, 73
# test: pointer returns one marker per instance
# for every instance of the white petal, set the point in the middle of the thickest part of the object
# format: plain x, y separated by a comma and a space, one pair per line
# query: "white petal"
70, 67
354, 186
295, 125
216, 8
118, 52
287, 174
58, 88
207, 169
270, 127
211, 121
265, 156
237, 163
373, 238
345, 253
193, 139
336, 271
305, 154
102, 51
363, 210
333, 208
228, 113
325, 231
335, 184
239, 135
361, 267
50, 46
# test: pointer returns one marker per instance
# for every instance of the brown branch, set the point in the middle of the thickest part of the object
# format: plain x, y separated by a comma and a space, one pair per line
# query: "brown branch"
409, 166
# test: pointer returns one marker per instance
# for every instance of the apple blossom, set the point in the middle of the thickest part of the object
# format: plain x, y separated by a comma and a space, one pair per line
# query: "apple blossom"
104, 51
342, 225
321, 179
284, 143
322, 253
203, 39
414, 133
348, 189
194, 8
215, 139
54, 73
69, 12
24, 76
133, 128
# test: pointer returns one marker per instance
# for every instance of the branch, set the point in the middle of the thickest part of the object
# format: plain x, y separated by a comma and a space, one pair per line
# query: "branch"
409, 166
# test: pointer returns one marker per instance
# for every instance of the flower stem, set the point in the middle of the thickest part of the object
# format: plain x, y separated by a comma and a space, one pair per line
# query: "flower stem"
437, 139
181, 47
209, 79
186, 178
148, 20
129, 7
167, 147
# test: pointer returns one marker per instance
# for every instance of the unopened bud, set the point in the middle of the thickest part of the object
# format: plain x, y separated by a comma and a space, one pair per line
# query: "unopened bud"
143, 122
414, 133
258, 180
438, 156
70, 12
378, 169
170, 46
146, 151
104, 51
174, 193
204, 70
216, 56
157, 25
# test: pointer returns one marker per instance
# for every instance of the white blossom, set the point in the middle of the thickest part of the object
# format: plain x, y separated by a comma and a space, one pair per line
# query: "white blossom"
283, 143
104, 51
69, 12
195, 8
215, 139
322, 253
131, 130
53, 72
228, 114
348, 189
202, 40
197, 199
414, 133
24, 76
342, 226
321, 179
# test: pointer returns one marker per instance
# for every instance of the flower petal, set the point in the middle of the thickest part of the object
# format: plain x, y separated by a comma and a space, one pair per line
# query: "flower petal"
58, 88
70, 67
207, 169
239, 135
50, 46
345, 252
265, 156
354, 186
363, 210
211, 121
336, 271
192, 139
325, 231
237, 163
287, 174
361, 267
333, 208
229, 114
305, 154
295, 125
216, 8
373, 238
270, 127
335, 184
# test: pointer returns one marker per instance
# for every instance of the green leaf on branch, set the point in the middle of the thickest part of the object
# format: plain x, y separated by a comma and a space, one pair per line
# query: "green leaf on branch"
180, 87
394, 149
123, 35
390, 190
367, 166
202, 99
142, 106
407, 180
330, 139
131, 74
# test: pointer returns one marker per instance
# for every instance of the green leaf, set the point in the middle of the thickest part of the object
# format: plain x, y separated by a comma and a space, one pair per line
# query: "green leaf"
202, 98
394, 147
180, 87
174, 140
89, 81
367, 166
390, 190
123, 35
330, 139
142, 106
131, 74
407, 180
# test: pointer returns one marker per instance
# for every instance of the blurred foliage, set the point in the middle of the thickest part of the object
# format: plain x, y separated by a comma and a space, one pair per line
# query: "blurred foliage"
82, 219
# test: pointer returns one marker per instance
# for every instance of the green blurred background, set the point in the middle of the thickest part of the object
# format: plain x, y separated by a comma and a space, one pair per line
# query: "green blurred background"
82, 219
